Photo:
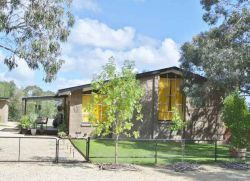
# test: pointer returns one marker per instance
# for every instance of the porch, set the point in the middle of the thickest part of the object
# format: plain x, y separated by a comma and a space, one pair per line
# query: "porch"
46, 107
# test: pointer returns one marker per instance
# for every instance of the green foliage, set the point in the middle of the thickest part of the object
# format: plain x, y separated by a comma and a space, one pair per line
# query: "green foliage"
32, 119
15, 105
220, 54
236, 118
11, 91
34, 30
177, 122
7, 89
63, 128
62, 134
48, 109
119, 96
28, 121
32, 91
25, 122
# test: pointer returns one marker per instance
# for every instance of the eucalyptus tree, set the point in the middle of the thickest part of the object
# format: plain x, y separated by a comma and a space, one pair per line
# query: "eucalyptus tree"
221, 54
33, 30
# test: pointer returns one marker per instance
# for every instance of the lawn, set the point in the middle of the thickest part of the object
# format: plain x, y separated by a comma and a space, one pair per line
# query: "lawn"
143, 152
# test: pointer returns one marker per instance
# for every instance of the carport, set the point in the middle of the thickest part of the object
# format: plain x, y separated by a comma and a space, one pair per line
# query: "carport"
34, 103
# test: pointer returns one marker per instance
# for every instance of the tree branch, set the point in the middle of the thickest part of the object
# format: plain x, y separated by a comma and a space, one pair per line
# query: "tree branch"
6, 48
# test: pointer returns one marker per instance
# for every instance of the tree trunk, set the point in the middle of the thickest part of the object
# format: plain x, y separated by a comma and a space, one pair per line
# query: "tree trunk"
116, 148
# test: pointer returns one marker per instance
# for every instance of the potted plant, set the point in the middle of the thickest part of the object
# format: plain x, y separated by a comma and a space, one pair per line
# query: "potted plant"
33, 118
235, 117
33, 128
24, 124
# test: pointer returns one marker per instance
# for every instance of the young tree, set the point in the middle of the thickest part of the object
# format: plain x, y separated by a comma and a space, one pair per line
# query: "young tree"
32, 30
236, 118
178, 124
119, 93
220, 54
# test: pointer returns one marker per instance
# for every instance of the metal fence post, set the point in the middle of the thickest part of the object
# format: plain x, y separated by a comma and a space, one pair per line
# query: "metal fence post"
87, 148
183, 144
57, 150
215, 150
156, 144
19, 147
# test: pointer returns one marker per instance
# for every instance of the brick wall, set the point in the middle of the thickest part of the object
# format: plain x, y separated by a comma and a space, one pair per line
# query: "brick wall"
203, 123
148, 127
4, 111
75, 116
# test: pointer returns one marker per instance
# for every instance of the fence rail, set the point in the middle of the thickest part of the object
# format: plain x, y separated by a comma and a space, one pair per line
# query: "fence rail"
198, 150
35, 149
20, 149
23, 149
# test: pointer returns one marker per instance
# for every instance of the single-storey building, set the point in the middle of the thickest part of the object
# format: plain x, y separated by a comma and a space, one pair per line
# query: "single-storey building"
162, 93
4, 109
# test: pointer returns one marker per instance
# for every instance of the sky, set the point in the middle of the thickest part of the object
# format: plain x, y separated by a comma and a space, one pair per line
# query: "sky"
150, 32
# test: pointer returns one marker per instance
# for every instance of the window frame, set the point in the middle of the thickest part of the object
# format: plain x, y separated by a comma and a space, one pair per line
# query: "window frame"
169, 97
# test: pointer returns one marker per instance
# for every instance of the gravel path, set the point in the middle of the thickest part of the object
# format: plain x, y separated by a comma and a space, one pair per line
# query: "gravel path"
34, 148
85, 171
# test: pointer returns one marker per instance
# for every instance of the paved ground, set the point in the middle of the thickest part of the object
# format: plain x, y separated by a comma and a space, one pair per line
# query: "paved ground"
33, 148
85, 171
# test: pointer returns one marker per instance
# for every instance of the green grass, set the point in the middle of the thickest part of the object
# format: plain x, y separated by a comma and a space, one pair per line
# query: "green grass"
102, 151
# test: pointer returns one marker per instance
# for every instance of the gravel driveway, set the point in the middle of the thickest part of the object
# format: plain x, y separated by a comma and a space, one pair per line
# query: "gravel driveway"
34, 148
85, 171
44, 149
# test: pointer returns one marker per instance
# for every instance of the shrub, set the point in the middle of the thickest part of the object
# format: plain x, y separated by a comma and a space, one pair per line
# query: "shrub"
62, 127
177, 122
25, 122
235, 117
32, 119
62, 134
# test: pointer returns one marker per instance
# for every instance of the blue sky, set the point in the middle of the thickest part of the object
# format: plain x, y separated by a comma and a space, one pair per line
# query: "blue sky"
150, 32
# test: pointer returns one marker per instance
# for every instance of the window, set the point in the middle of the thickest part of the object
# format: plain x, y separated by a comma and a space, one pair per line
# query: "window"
86, 99
170, 96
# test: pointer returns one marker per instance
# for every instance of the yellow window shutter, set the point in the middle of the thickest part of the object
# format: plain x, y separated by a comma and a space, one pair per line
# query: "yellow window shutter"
170, 96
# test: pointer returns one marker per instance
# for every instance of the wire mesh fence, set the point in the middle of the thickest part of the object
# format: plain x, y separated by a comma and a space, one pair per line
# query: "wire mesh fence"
67, 152
137, 151
28, 149
38, 149
157, 151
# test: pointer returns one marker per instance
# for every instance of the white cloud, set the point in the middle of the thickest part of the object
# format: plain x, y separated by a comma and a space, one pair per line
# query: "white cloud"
92, 43
62, 82
90, 5
22, 75
89, 61
96, 34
